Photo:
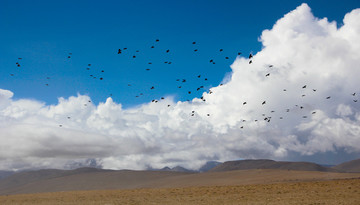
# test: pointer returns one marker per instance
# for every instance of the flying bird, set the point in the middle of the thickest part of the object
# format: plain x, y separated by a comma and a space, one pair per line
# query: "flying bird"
119, 51
263, 103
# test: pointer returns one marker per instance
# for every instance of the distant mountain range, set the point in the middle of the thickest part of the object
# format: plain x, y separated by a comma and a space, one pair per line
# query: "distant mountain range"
270, 164
212, 173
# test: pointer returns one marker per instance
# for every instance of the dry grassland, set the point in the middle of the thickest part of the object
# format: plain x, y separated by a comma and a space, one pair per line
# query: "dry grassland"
341, 191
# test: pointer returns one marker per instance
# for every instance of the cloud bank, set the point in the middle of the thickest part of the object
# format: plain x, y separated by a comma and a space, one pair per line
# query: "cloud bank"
299, 94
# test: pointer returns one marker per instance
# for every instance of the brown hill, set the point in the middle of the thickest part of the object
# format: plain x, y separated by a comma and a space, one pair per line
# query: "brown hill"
351, 166
270, 164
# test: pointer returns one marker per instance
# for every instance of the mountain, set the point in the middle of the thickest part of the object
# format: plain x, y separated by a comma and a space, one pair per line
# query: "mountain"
270, 164
4, 174
351, 166
208, 166
174, 169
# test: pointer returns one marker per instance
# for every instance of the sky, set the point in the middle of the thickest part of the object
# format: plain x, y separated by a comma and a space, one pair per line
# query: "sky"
182, 90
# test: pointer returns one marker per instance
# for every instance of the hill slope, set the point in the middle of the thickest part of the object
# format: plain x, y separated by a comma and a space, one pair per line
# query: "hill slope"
351, 166
270, 164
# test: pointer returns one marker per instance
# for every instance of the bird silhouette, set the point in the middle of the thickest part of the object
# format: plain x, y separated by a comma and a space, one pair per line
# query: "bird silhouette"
119, 51
263, 103
304, 86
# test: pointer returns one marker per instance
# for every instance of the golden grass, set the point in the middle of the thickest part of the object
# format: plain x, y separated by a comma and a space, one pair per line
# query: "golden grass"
340, 191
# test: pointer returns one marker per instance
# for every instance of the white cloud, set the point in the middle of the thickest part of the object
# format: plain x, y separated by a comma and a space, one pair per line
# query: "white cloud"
303, 50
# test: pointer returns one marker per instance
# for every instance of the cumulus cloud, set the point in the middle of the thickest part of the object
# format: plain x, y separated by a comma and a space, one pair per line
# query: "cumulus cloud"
298, 94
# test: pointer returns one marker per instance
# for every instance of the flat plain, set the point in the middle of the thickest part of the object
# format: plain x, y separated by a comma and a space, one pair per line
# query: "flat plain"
234, 187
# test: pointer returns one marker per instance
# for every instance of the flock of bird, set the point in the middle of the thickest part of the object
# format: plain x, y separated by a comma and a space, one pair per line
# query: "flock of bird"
181, 82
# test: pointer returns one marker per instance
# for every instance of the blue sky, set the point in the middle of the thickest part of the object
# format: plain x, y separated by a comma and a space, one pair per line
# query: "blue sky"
43, 33
298, 100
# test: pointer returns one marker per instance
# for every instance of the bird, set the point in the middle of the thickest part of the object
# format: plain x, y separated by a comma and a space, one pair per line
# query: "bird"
267, 75
355, 100
152, 46
284, 90
353, 94
270, 66
152, 88
147, 69
199, 76
226, 57
313, 113
157, 40
134, 56
167, 51
239, 53
244, 103
205, 79
189, 92
263, 103
328, 97
221, 50
250, 61
196, 50
119, 51
194, 42
250, 56
314, 90
101, 78
304, 86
